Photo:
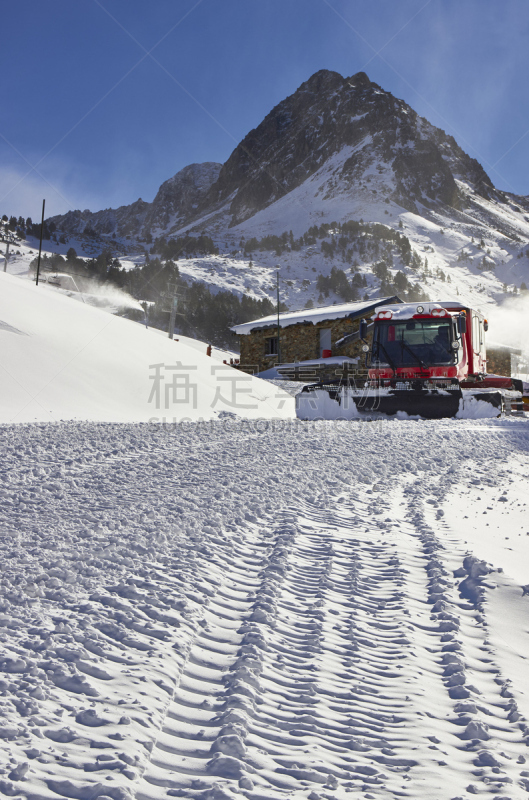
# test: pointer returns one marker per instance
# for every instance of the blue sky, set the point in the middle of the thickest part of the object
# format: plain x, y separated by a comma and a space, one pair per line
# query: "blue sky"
103, 100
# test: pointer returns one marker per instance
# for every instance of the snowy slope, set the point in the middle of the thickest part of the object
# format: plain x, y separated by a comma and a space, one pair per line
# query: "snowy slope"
61, 359
264, 611
449, 240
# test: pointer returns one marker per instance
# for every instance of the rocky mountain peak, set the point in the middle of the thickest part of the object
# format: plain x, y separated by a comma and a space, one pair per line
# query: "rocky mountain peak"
321, 81
179, 196
348, 131
327, 114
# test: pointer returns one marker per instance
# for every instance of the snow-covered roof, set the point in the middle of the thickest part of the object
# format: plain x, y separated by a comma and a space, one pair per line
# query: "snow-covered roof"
408, 310
314, 315
492, 345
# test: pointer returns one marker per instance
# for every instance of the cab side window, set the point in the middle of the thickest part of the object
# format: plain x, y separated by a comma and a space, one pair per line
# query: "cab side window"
476, 337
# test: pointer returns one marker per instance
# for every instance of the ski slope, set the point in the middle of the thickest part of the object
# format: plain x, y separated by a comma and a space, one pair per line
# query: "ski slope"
61, 359
264, 610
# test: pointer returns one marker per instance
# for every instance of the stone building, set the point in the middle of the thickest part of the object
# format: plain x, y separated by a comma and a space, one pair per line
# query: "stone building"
500, 359
303, 335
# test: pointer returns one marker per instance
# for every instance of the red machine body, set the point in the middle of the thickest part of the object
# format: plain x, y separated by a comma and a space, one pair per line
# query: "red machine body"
409, 331
427, 360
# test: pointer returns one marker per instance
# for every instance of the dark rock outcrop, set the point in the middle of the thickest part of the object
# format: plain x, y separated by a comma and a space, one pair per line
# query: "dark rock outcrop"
176, 201
328, 115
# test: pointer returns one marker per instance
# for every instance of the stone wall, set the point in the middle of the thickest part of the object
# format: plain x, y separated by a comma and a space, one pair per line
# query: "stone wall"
498, 361
300, 342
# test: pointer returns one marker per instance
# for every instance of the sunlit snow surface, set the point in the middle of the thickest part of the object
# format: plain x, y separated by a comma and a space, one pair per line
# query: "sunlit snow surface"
61, 359
264, 609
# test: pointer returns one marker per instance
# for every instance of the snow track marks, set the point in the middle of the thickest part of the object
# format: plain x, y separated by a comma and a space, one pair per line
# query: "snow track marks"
305, 676
266, 614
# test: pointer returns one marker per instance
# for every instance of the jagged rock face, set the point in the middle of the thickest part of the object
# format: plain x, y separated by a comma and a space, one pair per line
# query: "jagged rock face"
122, 221
175, 202
327, 114
179, 197
422, 174
368, 131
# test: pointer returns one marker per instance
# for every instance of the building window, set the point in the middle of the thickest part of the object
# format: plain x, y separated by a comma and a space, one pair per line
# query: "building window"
271, 346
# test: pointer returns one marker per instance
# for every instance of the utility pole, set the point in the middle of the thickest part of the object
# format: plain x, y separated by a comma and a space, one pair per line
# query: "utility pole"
6, 258
278, 325
40, 245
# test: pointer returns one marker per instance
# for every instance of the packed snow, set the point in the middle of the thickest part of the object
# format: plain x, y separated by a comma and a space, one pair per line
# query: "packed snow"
62, 360
264, 609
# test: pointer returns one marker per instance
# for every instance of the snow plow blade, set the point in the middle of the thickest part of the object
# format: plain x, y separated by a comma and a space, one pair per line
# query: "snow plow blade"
428, 405
427, 399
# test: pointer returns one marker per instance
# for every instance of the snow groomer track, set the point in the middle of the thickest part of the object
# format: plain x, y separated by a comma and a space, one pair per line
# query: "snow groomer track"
222, 611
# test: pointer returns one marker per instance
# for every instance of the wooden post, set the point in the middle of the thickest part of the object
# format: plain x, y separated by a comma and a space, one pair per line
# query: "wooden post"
6, 259
278, 325
40, 245
172, 318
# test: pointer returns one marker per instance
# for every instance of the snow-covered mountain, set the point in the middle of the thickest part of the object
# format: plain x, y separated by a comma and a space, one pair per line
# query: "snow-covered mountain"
338, 150
175, 201
329, 116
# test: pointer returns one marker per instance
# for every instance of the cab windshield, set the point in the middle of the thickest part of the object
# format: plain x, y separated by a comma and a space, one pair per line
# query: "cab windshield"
413, 342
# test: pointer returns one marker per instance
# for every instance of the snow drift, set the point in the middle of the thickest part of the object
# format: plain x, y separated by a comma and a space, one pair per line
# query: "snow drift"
63, 360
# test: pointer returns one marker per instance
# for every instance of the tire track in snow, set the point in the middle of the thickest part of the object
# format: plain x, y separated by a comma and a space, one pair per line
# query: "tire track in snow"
487, 728
299, 680
325, 630
201, 736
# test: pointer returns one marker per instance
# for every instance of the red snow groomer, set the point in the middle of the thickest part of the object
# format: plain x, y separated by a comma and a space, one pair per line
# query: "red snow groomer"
428, 360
